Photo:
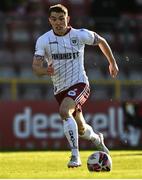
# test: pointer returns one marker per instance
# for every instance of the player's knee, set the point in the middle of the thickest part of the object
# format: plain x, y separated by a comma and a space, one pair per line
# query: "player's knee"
81, 130
64, 113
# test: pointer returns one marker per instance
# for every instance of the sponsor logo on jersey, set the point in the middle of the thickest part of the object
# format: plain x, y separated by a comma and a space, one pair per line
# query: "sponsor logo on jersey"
63, 56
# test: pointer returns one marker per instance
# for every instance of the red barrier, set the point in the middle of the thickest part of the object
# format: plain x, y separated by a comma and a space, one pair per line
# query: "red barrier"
37, 125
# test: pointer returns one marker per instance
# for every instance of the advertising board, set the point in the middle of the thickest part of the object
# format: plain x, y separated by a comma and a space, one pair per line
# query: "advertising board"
37, 125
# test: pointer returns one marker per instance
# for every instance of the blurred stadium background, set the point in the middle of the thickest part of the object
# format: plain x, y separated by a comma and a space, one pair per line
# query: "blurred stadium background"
28, 112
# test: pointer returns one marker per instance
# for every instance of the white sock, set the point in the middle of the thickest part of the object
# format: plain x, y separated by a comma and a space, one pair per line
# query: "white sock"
71, 133
90, 134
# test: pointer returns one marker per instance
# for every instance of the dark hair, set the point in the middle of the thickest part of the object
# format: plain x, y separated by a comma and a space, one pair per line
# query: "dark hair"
58, 8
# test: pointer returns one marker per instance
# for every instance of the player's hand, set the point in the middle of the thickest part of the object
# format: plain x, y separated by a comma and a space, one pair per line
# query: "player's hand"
50, 70
113, 69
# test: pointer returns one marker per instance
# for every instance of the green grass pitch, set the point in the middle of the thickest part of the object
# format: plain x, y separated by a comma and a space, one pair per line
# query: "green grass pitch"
52, 164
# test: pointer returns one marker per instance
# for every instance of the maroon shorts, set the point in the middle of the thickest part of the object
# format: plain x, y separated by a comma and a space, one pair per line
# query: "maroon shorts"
78, 92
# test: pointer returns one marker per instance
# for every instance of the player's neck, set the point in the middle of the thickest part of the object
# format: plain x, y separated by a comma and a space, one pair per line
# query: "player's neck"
64, 32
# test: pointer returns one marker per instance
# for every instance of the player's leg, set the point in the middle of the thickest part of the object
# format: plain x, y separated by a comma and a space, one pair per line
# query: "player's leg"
66, 110
86, 132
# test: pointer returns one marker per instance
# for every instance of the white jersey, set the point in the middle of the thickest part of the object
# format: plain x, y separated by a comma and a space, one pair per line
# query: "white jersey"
66, 54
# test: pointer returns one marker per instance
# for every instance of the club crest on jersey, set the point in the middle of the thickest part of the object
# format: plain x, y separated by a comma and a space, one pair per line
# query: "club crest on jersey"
74, 41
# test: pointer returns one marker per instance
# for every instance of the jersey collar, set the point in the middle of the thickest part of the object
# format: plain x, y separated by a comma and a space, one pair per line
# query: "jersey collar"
68, 30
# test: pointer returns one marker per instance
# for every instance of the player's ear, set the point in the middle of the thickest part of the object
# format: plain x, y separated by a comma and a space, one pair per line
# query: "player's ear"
49, 20
68, 19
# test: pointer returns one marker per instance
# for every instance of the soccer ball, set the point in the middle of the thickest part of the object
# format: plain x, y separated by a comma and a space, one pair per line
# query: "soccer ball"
99, 161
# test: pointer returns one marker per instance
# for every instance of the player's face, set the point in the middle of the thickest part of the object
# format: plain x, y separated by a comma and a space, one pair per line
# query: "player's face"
59, 22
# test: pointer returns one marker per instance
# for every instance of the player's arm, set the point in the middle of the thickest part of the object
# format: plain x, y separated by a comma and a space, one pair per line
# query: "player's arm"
38, 67
105, 48
92, 38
